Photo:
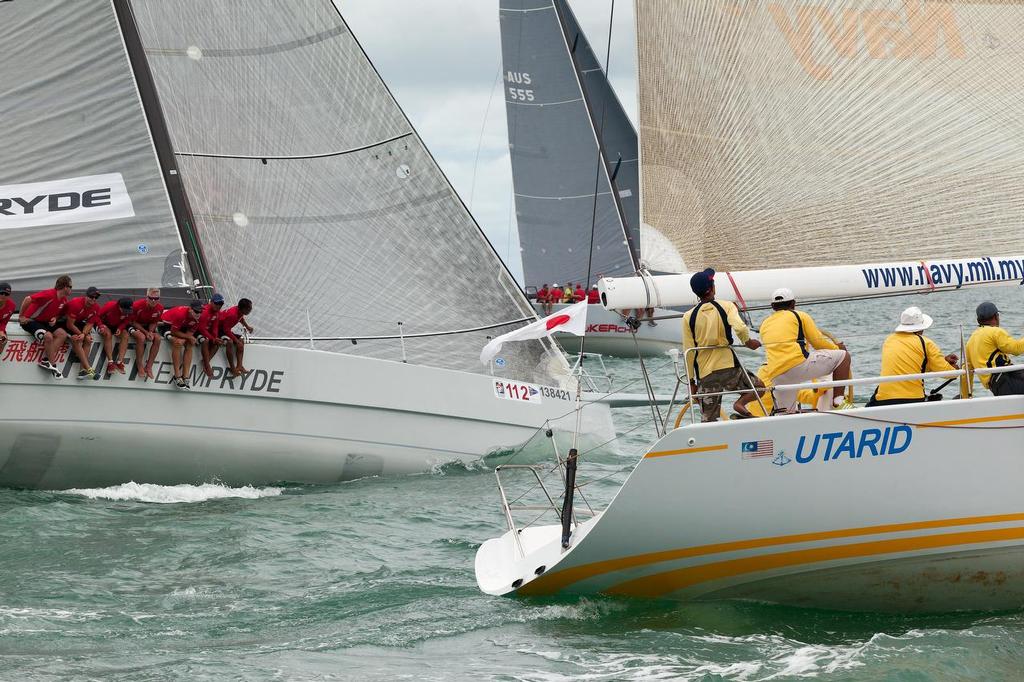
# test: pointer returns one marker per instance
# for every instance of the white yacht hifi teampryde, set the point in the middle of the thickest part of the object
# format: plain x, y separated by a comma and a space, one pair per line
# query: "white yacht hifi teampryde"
250, 148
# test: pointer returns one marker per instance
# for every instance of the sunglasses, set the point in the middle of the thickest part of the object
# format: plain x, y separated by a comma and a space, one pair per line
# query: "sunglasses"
5, 293
94, 297
153, 298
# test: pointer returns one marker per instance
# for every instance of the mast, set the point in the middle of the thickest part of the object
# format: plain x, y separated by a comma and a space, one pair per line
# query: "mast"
193, 250
562, 11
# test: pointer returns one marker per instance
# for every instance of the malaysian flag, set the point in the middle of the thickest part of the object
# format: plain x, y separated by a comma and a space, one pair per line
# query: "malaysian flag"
758, 448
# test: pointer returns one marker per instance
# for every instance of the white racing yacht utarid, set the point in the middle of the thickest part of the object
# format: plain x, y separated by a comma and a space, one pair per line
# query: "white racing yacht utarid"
782, 142
252, 149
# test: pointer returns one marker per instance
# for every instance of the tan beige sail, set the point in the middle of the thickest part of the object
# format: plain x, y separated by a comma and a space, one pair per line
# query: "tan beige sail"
788, 134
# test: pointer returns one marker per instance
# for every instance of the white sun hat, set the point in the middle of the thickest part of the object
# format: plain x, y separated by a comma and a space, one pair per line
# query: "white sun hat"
783, 295
913, 320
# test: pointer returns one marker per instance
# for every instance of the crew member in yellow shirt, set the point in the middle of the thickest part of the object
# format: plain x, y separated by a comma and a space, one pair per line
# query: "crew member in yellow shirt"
989, 346
797, 352
714, 370
908, 351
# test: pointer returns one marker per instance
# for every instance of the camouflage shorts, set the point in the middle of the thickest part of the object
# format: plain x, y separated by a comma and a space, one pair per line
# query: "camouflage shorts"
730, 379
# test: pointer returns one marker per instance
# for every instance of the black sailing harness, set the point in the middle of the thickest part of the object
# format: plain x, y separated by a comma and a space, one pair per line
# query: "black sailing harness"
728, 335
800, 340
996, 359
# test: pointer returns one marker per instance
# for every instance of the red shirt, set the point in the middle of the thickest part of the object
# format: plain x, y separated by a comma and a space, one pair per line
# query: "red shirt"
542, 295
81, 313
111, 315
143, 315
6, 310
593, 296
209, 322
579, 294
45, 305
180, 318
228, 319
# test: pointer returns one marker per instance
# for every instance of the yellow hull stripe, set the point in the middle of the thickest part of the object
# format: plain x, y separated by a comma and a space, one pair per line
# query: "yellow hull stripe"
670, 581
975, 420
686, 451
552, 582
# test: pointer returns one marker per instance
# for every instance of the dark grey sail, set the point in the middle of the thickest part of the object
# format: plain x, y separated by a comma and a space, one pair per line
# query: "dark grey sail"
81, 188
312, 193
568, 134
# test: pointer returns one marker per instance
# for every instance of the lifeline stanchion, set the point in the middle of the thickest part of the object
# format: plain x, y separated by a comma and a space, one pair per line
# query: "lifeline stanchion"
570, 488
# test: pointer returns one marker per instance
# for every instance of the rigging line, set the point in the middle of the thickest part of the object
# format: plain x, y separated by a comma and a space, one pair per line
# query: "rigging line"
597, 175
480, 141
452, 332
269, 157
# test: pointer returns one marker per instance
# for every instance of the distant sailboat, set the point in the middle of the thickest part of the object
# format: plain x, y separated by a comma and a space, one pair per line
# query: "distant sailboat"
569, 136
252, 147
787, 140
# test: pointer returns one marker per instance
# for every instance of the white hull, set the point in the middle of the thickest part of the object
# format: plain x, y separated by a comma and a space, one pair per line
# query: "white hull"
933, 522
301, 415
607, 334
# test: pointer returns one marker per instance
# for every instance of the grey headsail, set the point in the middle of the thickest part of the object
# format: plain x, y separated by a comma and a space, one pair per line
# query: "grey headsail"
312, 193
81, 190
568, 134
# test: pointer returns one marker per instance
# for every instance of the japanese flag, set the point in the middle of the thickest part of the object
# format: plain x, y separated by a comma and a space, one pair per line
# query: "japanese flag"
572, 319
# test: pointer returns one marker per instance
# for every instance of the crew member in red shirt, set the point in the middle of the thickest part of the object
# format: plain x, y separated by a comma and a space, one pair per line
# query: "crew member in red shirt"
593, 296
178, 325
114, 318
142, 326
235, 347
209, 331
79, 319
39, 315
579, 294
542, 298
6, 310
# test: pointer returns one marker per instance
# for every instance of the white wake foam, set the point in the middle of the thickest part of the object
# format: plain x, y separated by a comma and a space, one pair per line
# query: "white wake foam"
171, 494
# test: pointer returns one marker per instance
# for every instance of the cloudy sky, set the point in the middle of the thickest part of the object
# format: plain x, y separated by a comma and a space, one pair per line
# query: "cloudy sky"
442, 60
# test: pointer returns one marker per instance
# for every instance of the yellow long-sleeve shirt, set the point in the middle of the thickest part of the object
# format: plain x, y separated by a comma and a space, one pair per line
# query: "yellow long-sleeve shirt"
711, 332
779, 334
990, 347
902, 354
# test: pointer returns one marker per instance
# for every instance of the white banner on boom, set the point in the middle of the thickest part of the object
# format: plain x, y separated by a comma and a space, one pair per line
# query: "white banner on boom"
72, 200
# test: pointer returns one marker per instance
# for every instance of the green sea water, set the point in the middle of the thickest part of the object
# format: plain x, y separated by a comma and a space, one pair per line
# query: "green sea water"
373, 579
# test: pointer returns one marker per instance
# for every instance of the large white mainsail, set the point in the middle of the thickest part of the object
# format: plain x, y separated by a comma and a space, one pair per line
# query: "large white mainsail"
314, 197
312, 192
791, 134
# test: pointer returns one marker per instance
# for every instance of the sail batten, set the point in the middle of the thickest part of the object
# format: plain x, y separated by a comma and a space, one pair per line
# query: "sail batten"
786, 134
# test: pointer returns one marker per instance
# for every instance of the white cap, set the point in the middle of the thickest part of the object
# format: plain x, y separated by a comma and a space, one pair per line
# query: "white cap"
782, 295
555, 284
913, 320
593, 286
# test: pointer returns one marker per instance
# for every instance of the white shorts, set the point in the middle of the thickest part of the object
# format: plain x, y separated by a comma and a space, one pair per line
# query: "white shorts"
820, 363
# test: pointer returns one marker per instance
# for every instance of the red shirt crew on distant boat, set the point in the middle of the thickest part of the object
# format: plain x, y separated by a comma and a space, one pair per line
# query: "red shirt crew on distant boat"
209, 331
6, 310
579, 294
145, 317
80, 317
115, 317
235, 347
593, 296
38, 316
